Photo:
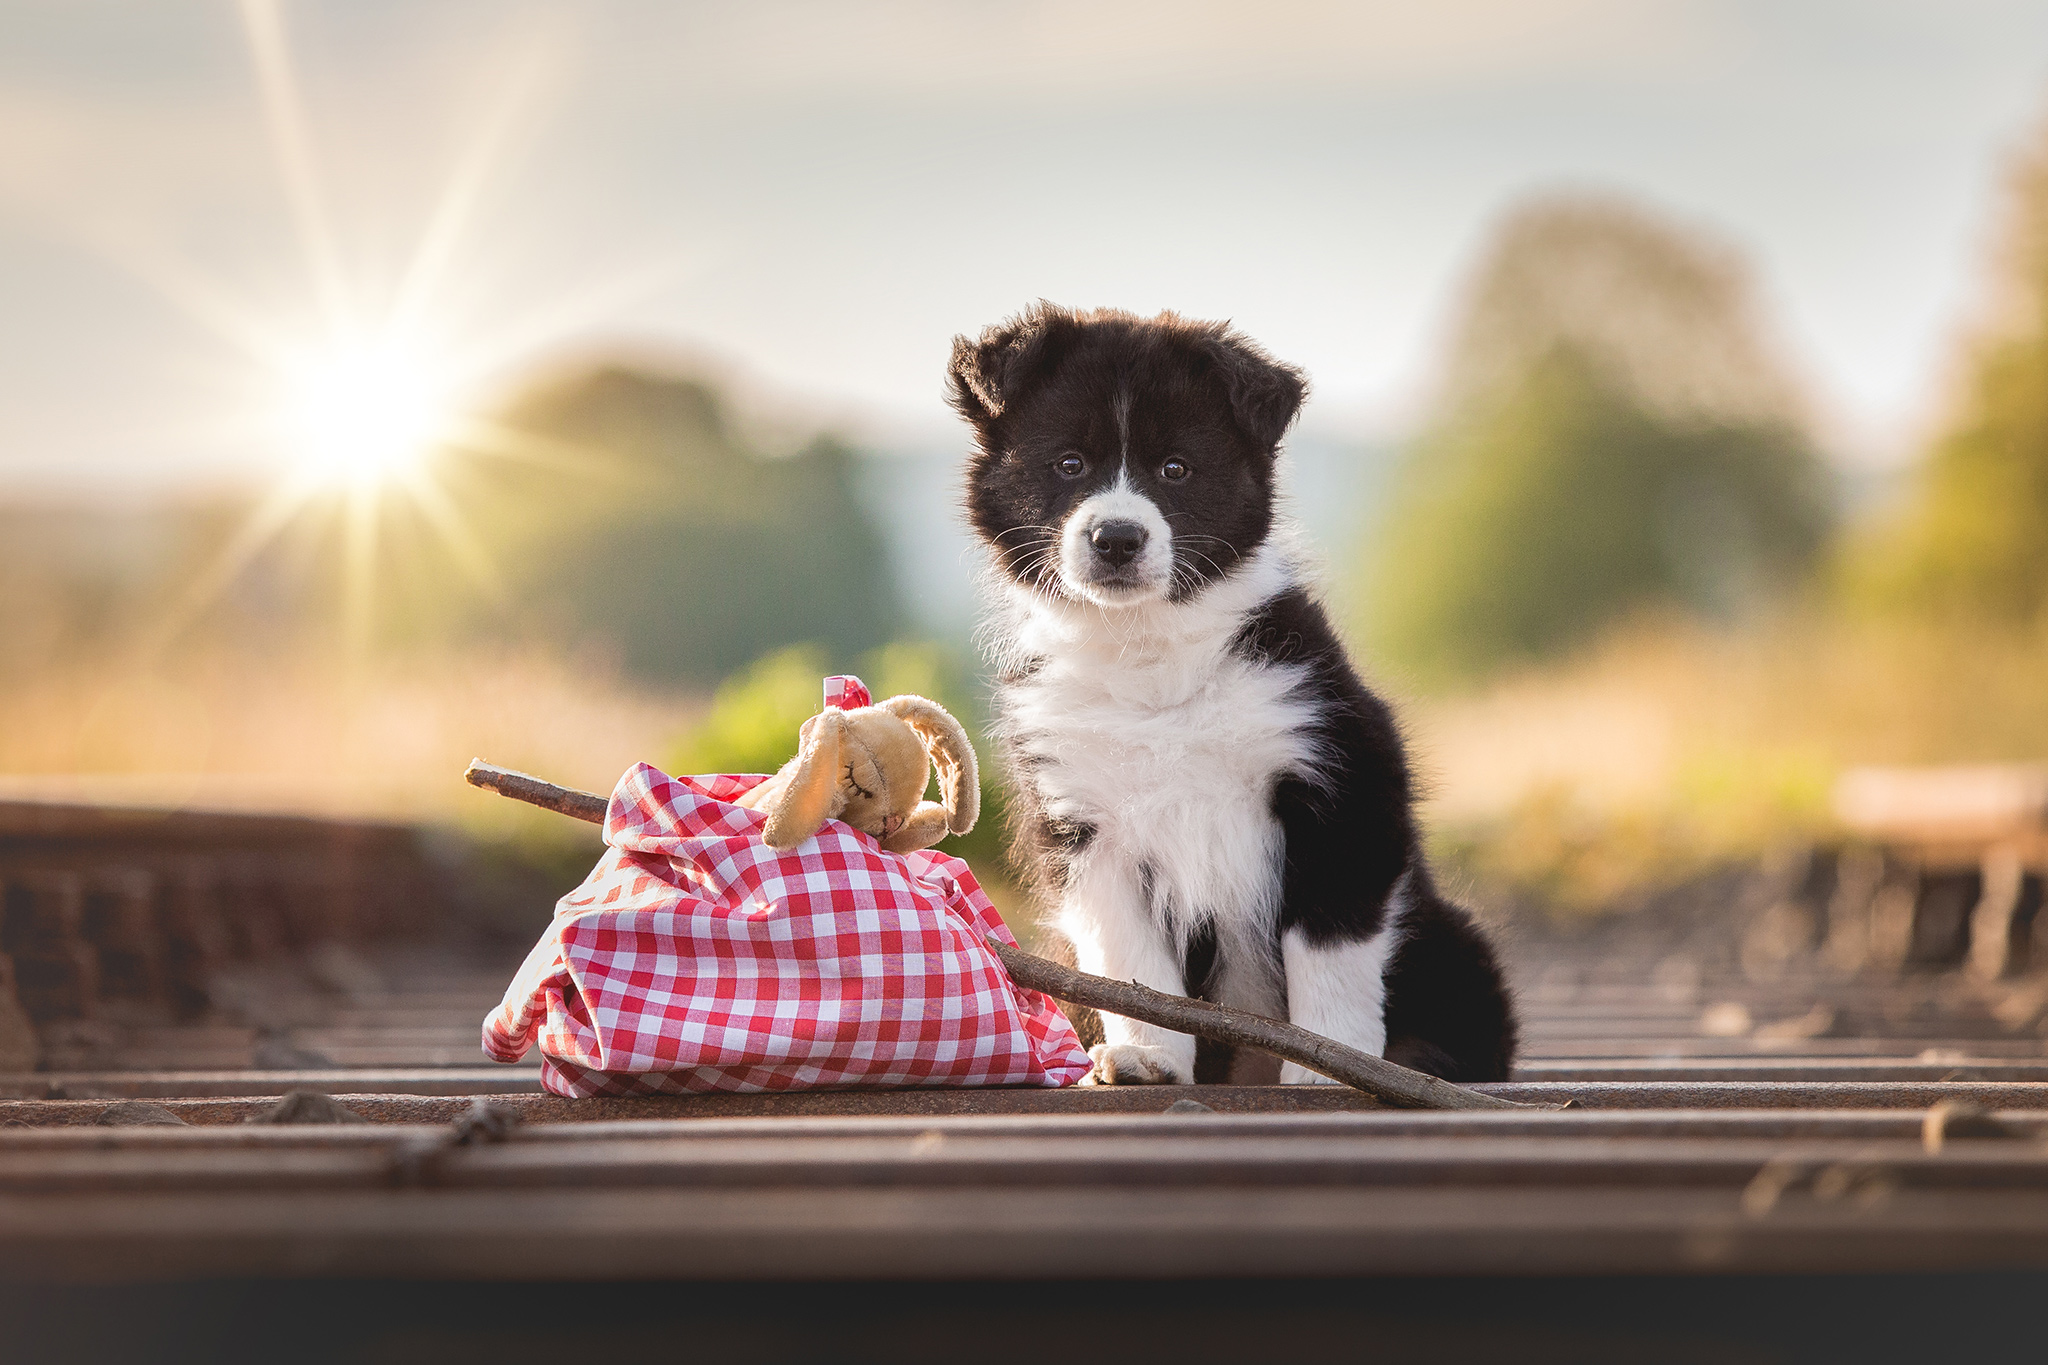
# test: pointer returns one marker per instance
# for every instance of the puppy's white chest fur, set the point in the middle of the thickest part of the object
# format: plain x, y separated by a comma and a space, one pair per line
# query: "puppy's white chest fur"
1153, 734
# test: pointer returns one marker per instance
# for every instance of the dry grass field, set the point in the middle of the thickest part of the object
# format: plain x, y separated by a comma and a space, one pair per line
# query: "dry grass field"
309, 733
1672, 746
1667, 748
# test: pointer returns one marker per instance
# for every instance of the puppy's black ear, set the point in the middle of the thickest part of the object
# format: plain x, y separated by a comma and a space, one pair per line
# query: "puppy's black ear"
1264, 394
986, 376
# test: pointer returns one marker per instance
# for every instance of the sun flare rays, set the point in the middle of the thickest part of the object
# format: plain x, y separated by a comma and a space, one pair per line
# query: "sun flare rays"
360, 406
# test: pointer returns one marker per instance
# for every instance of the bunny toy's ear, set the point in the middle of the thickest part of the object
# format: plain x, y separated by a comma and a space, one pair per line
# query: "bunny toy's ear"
809, 793
946, 742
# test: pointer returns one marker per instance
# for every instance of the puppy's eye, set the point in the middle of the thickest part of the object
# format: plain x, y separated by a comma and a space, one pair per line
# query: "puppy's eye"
1175, 470
1070, 466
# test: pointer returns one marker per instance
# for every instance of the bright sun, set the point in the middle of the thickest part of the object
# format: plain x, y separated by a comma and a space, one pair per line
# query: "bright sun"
360, 403
365, 412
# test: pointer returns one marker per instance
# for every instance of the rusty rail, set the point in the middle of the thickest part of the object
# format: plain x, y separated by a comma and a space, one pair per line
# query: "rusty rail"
134, 912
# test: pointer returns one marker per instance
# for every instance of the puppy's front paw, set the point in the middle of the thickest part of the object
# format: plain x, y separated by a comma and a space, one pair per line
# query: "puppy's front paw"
1291, 1074
1137, 1064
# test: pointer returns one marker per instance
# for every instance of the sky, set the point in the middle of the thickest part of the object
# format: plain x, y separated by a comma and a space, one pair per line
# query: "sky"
811, 197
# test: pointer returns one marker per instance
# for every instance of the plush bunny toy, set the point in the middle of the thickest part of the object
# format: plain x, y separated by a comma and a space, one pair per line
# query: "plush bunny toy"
868, 765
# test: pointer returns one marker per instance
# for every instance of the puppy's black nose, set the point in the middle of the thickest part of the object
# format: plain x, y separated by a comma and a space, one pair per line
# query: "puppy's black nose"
1117, 541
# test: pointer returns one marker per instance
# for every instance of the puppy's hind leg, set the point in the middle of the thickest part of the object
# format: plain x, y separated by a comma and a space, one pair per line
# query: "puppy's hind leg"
1106, 914
1338, 988
1424, 990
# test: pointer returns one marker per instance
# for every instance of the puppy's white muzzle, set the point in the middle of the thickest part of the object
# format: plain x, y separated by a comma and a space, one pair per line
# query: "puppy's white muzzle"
1116, 549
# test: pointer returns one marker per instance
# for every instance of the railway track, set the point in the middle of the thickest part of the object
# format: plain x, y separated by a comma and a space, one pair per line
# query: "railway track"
172, 978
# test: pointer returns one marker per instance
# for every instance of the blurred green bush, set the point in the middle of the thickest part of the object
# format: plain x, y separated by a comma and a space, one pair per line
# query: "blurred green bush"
755, 715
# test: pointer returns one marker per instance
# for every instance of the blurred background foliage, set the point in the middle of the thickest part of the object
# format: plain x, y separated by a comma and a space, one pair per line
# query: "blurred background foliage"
1635, 620
1645, 626
633, 519
1613, 436
1969, 536
613, 514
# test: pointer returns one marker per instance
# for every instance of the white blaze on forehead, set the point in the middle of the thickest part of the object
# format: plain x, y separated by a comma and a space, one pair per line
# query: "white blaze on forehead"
1153, 568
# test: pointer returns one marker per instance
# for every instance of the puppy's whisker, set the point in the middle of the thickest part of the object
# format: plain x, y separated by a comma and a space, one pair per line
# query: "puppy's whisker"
1019, 530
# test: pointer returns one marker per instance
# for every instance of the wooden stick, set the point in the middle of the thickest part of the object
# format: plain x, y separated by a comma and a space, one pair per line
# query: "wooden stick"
578, 805
1386, 1081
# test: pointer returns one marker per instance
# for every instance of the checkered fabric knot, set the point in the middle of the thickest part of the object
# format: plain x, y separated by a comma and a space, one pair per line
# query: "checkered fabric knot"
844, 692
697, 958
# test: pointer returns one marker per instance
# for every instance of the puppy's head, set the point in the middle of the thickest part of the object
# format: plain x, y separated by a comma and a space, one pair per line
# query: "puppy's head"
1119, 459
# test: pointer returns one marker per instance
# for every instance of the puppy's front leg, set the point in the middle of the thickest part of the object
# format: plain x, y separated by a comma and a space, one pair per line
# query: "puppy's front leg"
1116, 935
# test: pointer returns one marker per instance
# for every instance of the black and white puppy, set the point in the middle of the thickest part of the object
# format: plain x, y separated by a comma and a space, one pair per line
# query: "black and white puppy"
1212, 799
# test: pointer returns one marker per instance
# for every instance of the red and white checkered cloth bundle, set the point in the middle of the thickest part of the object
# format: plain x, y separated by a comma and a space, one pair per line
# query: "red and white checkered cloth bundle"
696, 957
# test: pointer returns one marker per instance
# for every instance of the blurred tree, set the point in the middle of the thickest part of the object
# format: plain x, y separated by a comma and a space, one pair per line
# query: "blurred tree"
1974, 537
621, 513
1612, 435
614, 512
